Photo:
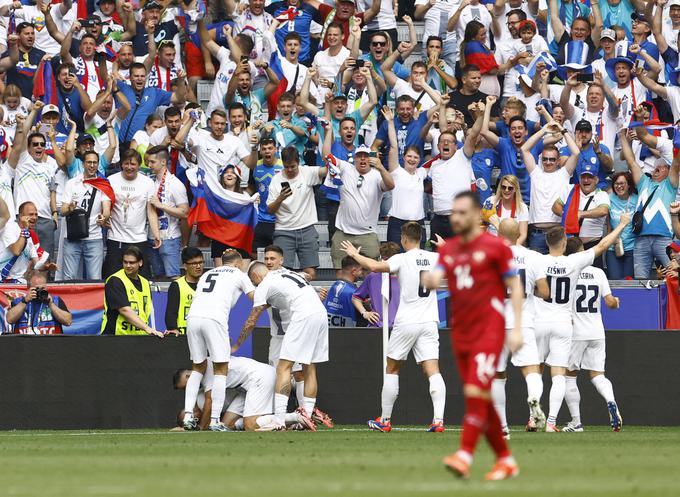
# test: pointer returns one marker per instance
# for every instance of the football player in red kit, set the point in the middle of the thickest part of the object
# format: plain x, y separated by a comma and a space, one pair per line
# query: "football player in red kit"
479, 270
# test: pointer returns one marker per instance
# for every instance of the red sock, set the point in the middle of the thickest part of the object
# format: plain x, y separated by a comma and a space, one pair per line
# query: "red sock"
494, 434
474, 422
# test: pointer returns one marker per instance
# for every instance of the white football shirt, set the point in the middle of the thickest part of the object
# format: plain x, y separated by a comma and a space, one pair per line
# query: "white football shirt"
416, 304
284, 289
243, 373
562, 274
217, 292
591, 288
528, 265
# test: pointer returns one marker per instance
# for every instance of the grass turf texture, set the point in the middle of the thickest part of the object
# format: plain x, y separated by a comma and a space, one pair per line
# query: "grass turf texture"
346, 461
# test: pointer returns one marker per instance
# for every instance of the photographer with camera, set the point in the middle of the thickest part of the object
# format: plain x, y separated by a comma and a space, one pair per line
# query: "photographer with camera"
38, 312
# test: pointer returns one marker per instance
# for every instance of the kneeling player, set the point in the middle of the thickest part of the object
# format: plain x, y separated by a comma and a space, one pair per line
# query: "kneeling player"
415, 325
588, 342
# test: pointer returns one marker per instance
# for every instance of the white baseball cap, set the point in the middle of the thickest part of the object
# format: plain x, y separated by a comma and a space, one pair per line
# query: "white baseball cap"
362, 149
50, 108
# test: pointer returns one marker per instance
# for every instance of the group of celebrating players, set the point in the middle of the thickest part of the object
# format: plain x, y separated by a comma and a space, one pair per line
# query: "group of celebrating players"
505, 299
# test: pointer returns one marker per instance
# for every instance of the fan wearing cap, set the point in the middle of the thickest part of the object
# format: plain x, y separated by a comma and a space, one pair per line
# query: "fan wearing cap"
658, 192
629, 91
33, 16
49, 120
592, 156
581, 29
584, 209
606, 52
529, 42
667, 29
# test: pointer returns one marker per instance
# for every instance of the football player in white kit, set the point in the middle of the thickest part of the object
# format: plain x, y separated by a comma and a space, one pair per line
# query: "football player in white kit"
588, 342
249, 398
553, 323
207, 333
279, 320
415, 325
305, 341
526, 358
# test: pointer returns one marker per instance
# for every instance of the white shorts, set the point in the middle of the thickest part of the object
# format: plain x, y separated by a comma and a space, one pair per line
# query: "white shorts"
553, 341
275, 352
422, 338
208, 337
306, 340
587, 354
234, 400
526, 356
259, 398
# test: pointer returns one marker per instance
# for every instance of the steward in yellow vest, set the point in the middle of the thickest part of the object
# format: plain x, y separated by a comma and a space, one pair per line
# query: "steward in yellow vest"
181, 291
127, 299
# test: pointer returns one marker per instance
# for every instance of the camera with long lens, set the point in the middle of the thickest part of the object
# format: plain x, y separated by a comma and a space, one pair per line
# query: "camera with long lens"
42, 295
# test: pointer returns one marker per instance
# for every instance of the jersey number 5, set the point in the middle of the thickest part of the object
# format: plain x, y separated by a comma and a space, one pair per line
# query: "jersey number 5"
212, 281
464, 280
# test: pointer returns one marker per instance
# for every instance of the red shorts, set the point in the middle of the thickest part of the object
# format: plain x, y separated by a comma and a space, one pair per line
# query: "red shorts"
477, 361
194, 60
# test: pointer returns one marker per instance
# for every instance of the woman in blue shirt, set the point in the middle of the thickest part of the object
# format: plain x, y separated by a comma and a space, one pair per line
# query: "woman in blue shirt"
623, 199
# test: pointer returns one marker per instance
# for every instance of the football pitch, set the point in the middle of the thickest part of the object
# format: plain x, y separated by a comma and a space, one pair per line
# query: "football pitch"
345, 461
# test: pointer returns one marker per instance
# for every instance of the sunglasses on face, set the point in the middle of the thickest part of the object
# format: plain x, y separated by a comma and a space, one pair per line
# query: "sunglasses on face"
507, 188
378, 43
37, 144
549, 159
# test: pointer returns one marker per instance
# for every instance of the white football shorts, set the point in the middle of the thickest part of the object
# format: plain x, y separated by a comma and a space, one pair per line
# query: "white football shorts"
553, 341
207, 336
422, 338
275, 353
259, 398
306, 340
587, 354
526, 356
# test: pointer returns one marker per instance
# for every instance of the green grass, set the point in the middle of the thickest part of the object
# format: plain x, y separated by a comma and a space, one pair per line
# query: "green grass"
347, 461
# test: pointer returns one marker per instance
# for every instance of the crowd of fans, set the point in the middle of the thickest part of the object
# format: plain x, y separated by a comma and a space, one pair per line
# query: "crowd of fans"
557, 112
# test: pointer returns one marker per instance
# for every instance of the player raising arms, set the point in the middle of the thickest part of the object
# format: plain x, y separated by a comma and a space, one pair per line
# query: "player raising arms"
554, 326
588, 342
526, 358
207, 333
415, 325
479, 270
306, 338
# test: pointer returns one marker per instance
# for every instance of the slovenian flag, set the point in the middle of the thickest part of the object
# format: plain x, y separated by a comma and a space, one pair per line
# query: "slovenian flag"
44, 84
272, 101
476, 53
223, 216
570, 212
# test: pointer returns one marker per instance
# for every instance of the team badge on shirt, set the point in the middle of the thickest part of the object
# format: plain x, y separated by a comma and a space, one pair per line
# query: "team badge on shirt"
478, 256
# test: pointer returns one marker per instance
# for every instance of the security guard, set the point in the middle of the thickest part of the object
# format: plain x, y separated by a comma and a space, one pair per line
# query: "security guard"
181, 291
127, 299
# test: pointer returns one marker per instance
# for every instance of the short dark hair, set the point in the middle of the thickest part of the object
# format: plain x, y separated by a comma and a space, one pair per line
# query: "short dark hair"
287, 97
189, 253
90, 152
237, 106
34, 135
23, 206
292, 35
517, 12
134, 252
412, 230
347, 118
247, 43
554, 236
88, 35
581, 18
574, 244
218, 112
137, 65
433, 38
334, 25
231, 255
348, 262
130, 154
473, 196
65, 65
468, 69
23, 25
178, 375
171, 111
517, 118
446, 132
290, 154
388, 249
267, 140
418, 63
152, 118
406, 98
274, 248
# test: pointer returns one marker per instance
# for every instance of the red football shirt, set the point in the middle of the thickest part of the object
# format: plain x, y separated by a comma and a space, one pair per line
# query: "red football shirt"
476, 272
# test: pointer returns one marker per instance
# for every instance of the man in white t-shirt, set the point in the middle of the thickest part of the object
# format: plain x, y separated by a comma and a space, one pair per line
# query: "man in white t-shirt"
548, 181
291, 200
588, 342
131, 213
34, 175
80, 195
593, 209
172, 205
363, 185
554, 314
415, 325
328, 62
64, 14
437, 14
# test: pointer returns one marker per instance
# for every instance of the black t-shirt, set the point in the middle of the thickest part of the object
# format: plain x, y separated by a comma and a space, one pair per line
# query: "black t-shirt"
164, 31
22, 73
116, 297
461, 102
172, 308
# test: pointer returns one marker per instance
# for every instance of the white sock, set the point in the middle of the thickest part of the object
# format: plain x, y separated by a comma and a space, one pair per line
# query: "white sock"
280, 407
604, 387
300, 393
573, 399
438, 394
534, 386
309, 403
218, 394
556, 398
390, 392
190, 394
238, 426
498, 398
290, 418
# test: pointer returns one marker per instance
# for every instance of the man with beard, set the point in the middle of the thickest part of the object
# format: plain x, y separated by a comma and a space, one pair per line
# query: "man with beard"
33, 15
240, 90
468, 93
91, 68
